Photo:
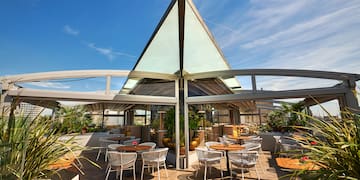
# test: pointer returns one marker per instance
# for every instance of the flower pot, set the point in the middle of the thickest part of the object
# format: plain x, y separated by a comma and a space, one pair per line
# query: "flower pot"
193, 145
166, 141
182, 150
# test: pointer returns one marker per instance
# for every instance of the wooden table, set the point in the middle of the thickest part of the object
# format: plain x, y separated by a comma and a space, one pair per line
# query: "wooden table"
227, 148
133, 148
295, 164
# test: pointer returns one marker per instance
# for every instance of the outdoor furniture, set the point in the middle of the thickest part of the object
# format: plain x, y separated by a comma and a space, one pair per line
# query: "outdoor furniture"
227, 148
244, 160
153, 159
152, 144
132, 148
104, 142
208, 158
295, 164
210, 143
277, 143
113, 147
289, 150
120, 161
239, 139
253, 140
228, 140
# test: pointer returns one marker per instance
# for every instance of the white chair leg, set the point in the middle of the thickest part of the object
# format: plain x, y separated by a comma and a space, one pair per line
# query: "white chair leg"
98, 155
196, 174
167, 175
242, 173
108, 172
106, 154
205, 169
121, 173
142, 171
158, 167
134, 171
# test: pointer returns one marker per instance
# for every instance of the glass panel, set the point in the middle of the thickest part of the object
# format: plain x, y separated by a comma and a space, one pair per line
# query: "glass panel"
200, 52
332, 107
162, 55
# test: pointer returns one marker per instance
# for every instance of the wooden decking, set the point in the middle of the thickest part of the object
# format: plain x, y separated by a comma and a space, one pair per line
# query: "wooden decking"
266, 166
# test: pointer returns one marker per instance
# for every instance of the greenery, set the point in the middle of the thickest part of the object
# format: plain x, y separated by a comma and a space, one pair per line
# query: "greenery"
170, 125
73, 119
285, 118
332, 144
29, 146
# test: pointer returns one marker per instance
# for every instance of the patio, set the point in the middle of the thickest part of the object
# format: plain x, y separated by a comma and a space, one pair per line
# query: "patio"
266, 167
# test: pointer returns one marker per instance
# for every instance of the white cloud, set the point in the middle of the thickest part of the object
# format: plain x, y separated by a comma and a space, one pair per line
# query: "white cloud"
54, 85
71, 31
108, 52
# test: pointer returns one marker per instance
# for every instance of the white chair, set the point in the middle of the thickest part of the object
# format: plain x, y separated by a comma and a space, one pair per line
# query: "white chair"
113, 147
155, 158
277, 143
244, 160
130, 142
152, 144
120, 161
229, 140
208, 158
104, 142
210, 143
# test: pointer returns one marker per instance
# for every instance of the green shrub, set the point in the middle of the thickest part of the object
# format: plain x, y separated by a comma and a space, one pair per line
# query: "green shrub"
333, 144
28, 147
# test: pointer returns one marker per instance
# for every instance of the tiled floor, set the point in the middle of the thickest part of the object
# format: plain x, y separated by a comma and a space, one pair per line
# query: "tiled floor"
266, 168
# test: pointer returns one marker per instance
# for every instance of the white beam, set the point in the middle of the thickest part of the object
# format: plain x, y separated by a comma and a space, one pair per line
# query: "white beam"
90, 97
64, 75
275, 72
261, 95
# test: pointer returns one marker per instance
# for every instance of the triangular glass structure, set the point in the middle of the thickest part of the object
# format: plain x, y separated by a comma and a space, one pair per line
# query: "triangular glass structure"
201, 54
163, 52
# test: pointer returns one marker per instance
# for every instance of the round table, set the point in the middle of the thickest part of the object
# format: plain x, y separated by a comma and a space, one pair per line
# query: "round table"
227, 148
295, 164
133, 148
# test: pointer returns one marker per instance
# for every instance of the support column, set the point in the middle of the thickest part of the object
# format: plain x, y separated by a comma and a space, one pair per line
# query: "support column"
350, 99
177, 125
186, 124
253, 82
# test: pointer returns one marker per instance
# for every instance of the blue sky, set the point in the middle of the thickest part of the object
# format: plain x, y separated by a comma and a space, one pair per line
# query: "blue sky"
38, 35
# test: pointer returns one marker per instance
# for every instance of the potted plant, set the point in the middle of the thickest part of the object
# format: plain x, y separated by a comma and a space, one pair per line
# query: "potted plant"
84, 130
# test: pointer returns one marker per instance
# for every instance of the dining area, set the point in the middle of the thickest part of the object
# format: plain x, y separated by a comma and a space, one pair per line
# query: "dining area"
124, 154
238, 152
